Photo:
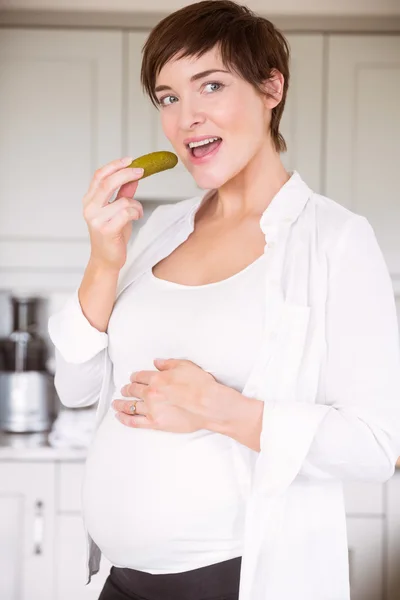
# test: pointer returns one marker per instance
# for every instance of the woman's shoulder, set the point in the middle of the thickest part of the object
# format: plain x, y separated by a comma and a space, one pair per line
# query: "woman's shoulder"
332, 220
331, 211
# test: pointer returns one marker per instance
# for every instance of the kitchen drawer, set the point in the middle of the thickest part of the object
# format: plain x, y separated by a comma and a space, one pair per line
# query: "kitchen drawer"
70, 570
364, 498
69, 486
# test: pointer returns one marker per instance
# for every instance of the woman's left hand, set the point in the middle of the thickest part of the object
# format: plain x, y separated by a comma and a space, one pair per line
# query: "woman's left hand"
174, 398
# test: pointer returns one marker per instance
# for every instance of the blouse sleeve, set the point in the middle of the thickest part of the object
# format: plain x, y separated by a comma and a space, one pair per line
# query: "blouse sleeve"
355, 433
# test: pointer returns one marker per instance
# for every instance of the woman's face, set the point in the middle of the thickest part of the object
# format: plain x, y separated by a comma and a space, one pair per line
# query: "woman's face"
221, 104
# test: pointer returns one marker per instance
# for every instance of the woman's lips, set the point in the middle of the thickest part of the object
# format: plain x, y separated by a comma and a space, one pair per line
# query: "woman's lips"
201, 159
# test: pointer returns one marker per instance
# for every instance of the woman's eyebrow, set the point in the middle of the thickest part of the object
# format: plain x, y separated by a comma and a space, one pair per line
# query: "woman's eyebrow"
161, 88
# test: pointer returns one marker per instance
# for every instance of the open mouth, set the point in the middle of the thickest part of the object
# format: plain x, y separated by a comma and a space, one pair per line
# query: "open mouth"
199, 151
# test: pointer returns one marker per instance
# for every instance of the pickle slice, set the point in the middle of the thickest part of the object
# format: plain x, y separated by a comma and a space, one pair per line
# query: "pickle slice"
154, 162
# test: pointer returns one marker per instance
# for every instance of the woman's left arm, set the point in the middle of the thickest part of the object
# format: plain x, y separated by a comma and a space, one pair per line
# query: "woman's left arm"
355, 434
360, 436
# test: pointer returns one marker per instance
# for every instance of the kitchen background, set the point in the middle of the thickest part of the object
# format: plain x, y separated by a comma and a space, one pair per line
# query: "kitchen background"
71, 101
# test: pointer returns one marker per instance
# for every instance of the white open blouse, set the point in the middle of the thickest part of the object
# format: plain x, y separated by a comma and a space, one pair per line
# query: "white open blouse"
328, 372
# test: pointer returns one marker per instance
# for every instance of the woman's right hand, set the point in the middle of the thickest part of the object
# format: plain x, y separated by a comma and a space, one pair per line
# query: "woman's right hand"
110, 224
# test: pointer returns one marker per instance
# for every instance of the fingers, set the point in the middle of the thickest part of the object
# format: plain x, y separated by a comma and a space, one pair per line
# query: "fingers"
121, 217
124, 406
127, 190
114, 216
106, 187
108, 169
128, 206
137, 421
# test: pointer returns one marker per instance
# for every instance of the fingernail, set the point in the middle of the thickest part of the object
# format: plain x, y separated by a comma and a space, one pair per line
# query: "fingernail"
138, 171
127, 160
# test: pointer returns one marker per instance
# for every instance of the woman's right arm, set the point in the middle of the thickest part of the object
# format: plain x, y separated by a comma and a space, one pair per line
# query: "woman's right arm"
78, 331
97, 294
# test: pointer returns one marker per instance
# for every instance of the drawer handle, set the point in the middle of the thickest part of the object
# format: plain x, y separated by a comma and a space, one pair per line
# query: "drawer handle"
38, 527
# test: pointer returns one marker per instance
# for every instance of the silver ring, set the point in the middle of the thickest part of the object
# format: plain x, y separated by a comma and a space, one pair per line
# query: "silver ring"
132, 408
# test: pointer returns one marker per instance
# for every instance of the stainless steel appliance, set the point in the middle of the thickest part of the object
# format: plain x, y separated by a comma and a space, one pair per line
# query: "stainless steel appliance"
27, 393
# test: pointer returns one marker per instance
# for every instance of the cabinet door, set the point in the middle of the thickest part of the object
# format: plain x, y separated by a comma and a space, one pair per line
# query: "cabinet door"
60, 119
301, 123
26, 531
70, 539
365, 542
302, 117
70, 572
363, 133
364, 498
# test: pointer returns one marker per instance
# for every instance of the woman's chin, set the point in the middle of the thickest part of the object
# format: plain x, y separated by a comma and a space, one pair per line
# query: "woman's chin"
207, 181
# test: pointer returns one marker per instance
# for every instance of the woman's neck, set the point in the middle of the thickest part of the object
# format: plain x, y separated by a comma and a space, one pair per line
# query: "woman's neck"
250, 192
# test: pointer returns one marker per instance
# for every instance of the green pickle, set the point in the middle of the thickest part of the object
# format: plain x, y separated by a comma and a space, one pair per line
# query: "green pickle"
155, 162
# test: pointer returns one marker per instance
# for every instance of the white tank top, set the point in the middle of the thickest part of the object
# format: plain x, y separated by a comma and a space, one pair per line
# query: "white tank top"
165, 502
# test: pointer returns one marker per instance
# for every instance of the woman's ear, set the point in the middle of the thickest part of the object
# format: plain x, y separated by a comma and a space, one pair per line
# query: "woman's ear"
274, 88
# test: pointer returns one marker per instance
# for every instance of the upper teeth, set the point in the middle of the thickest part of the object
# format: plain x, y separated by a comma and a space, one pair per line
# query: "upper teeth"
202, 142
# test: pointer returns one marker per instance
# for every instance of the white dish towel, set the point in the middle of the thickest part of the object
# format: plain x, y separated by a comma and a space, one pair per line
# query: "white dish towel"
73, 428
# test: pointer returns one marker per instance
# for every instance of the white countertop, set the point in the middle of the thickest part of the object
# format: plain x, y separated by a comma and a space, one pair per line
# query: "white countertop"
68, 439
42, 453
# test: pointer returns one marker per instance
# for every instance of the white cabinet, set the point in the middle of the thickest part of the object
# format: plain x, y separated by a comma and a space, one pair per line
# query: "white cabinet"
70, 570
364, 498
363, 133
42, 536
26, 531
302, 117
301, 122
365, 510
70, 540
60, 119
365, 539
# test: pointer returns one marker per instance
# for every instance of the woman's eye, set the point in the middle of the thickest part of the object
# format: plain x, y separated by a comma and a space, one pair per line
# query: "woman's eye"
215, 83
162, 100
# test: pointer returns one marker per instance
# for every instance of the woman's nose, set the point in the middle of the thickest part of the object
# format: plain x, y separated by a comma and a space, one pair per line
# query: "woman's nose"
190, 116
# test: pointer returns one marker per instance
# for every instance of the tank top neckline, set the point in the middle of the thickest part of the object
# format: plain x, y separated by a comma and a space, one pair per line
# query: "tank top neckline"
167, 283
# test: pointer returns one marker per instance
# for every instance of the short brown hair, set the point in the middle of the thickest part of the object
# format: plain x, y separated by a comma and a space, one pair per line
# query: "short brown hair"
249, 44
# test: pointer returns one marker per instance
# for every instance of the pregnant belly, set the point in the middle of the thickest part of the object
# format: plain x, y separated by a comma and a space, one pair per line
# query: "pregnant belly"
148, 491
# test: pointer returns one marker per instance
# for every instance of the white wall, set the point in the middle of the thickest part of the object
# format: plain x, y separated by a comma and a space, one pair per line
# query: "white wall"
265, 7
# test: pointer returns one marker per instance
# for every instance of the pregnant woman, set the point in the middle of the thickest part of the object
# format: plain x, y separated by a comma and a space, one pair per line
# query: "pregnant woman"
242, 346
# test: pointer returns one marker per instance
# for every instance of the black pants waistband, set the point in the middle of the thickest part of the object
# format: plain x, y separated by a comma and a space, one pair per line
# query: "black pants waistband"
219, 581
